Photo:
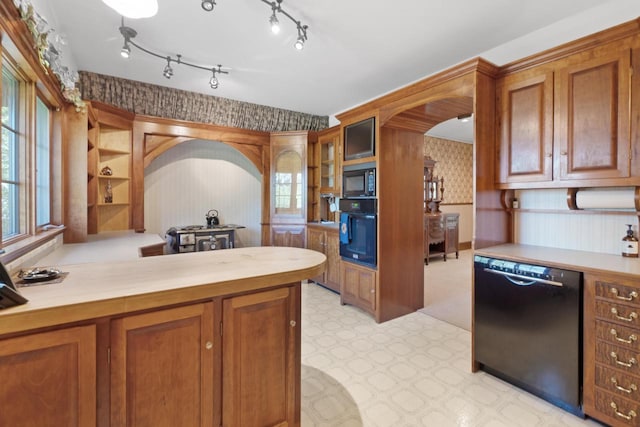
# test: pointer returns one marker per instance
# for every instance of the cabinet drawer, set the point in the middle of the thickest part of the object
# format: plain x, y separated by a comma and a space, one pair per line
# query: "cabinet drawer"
617, 382
624, 359
626, 411
617, 292
622, 336
619, 313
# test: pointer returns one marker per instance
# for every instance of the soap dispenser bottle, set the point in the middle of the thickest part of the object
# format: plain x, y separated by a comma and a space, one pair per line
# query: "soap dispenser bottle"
630, 244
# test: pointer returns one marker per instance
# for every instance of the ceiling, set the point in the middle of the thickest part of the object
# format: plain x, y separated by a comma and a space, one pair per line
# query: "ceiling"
357, 50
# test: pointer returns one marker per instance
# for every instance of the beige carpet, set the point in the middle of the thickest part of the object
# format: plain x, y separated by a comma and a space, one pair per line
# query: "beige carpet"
447, 289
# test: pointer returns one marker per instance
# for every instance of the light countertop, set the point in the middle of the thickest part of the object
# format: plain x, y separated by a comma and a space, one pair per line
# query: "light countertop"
588, 262
93, 290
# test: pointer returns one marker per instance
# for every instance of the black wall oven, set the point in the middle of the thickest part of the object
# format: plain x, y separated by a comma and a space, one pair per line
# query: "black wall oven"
358, 234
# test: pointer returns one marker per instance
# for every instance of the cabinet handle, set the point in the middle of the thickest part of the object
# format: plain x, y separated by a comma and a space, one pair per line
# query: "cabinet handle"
548, 155
631, 296
632, 316
208, 345
631, 389
293, 323
563, 152
629, 364
628, 416
632, 337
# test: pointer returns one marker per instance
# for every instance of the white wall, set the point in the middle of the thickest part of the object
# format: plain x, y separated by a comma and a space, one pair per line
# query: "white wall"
185, 182
591, 231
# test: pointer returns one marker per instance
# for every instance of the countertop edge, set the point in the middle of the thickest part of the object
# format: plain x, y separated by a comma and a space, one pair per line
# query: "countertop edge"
37, 315
587, 262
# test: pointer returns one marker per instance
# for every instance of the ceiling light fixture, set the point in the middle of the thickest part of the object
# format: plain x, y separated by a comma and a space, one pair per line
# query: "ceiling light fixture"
129, 33
208, 5
276, 6
134, 9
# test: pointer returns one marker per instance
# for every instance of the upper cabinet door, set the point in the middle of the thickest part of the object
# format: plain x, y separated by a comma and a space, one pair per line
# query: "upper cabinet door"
525, 127
592, 117
329, 163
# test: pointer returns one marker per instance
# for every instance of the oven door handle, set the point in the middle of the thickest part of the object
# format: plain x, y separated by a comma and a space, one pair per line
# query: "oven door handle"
520, 280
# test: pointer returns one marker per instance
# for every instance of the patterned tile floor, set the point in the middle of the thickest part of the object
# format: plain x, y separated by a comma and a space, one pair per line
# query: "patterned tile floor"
408, 372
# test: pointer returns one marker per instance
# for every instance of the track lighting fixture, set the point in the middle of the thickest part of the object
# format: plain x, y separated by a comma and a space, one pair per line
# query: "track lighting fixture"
129, 33
126, 50
208, 5
213, 82
274, 23
168, 71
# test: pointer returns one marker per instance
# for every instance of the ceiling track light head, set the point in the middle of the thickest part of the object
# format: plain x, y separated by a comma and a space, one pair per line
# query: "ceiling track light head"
126, 50
168, 71
208, 5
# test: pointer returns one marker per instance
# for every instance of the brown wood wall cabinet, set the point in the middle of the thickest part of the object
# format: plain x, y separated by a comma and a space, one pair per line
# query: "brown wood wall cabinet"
325, 239
566, 123
216, 352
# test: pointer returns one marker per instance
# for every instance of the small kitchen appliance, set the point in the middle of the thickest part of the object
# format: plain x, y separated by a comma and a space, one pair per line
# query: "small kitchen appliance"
212, 218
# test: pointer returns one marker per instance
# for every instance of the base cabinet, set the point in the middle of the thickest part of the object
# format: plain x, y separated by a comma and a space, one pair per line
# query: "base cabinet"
441, 235
260, 353
327, 241
162, 368
49, 379
358, 286
611, 349
230, 361
288, 235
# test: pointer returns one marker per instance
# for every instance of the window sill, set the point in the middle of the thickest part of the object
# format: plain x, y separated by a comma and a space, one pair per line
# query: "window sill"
22, 247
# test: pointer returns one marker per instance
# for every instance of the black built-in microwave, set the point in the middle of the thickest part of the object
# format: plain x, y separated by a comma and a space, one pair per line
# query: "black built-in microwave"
359, 181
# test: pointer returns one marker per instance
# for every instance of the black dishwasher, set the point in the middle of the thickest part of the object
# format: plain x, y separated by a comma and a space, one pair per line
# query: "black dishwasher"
528, 328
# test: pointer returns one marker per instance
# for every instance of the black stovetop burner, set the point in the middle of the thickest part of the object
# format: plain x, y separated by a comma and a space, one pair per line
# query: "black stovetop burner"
191, 227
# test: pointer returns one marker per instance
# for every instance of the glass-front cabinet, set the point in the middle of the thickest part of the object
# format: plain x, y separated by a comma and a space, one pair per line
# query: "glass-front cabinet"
289, 179
329, 143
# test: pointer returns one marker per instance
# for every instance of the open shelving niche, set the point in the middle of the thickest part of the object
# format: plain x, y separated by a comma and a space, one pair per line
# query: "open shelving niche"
114, 151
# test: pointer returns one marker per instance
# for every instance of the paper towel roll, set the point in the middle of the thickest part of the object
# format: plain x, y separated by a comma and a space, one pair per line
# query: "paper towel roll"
606, 199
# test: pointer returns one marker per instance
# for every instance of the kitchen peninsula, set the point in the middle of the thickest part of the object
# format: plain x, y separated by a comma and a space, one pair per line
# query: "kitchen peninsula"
206, 338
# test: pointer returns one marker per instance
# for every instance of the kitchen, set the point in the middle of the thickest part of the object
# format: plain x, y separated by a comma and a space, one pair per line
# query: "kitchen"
234, 220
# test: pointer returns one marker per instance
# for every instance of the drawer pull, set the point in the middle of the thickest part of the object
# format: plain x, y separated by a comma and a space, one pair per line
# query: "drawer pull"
631, 296
629, 416
632, 337
631, 389
629, 364
632, 316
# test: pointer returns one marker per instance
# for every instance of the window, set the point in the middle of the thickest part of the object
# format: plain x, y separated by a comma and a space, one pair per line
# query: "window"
25, 164
43, 162
12, 165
